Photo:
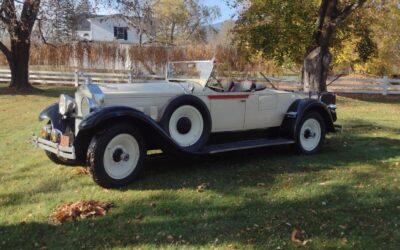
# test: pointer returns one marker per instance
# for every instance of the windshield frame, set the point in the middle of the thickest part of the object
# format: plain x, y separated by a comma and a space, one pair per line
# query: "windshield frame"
202, 81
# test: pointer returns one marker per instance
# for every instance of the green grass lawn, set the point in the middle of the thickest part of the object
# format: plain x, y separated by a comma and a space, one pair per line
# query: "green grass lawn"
346, 197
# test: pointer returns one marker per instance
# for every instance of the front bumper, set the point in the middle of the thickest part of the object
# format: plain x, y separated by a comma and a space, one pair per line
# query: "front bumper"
55, 148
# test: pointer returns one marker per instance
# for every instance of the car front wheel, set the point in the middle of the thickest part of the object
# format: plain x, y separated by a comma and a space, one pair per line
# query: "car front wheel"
310, 134
116, 156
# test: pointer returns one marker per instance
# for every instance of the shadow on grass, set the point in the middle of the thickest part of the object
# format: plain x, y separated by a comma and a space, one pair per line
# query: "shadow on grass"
40, 90
374, 98
234, 211
361, 125
255, 222
261, 165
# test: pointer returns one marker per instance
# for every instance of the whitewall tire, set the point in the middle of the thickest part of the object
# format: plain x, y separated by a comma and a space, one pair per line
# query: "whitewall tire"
116, 156
310, 134
188, 124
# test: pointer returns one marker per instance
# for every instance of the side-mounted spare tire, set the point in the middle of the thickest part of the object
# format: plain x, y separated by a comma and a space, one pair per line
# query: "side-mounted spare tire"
187, 120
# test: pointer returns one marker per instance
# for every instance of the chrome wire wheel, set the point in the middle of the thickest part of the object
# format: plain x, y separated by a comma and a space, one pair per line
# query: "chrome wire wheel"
121, 156
186, 126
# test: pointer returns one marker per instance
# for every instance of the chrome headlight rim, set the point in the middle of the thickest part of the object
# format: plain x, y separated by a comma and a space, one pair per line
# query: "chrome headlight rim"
88, 105
66, 105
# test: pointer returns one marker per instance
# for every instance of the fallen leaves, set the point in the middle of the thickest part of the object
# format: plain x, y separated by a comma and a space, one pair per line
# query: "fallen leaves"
260, 185
139, 217
80, 210
83, 171
298, 237
293, 237
200, 188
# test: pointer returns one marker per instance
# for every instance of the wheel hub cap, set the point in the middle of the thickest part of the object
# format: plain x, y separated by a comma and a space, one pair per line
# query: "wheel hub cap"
184, 125
121, 156
309, 134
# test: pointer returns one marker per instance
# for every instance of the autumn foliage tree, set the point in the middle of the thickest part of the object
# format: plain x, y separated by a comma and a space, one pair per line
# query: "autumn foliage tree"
300, 32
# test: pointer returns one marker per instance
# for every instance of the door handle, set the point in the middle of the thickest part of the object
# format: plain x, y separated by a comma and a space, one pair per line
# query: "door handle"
242, 100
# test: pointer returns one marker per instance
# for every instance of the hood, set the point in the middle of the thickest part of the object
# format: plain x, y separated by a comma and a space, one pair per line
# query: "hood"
144, 89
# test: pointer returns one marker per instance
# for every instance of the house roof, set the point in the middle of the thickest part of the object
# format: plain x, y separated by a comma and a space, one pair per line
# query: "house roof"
84, 21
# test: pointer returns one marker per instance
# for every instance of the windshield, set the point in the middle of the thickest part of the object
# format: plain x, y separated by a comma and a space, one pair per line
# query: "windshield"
197, 71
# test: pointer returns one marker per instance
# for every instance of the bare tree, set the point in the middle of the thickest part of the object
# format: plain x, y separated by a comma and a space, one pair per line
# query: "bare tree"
19, 25
138, 14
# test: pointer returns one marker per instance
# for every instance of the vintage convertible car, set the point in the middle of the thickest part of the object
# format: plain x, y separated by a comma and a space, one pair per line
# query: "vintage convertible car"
192, 112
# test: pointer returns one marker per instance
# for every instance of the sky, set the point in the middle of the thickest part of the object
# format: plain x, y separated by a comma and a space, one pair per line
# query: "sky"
226, 12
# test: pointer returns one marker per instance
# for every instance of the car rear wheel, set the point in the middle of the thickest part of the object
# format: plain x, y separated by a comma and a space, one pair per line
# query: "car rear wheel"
116, 156
310, 134
187, 126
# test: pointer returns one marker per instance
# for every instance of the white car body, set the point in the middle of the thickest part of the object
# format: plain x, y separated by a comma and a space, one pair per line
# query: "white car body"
233, 111
112, 126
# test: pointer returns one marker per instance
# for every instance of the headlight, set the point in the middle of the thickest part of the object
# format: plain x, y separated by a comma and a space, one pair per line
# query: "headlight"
87, 106
66, 105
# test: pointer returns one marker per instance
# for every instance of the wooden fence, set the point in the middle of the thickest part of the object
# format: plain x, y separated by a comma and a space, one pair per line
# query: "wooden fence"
384, 86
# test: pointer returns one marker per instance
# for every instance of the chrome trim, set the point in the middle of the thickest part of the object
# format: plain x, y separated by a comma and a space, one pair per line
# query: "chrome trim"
332, 106
55, 148
291, 114
97, 94
66, 105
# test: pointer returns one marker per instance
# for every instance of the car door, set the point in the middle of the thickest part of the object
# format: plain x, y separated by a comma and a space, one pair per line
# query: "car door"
228, 111
261, 109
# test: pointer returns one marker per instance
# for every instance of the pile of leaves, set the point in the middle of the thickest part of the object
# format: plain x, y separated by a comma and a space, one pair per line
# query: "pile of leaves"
80, 210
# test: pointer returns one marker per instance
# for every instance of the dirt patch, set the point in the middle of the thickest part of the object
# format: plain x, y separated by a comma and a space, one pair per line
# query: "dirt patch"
23, 91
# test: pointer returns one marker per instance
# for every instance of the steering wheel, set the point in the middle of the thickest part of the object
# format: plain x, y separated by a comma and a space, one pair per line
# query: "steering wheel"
220, 87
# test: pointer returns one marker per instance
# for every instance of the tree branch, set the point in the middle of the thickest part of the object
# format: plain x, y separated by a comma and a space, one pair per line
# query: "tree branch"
42, 35
29, 14
348, 10
5, 50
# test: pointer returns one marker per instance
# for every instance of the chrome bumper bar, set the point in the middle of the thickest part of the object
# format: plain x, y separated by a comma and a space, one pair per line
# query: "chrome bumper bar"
55, 148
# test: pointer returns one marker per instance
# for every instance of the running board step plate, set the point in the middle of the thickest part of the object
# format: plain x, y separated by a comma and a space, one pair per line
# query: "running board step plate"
241, 145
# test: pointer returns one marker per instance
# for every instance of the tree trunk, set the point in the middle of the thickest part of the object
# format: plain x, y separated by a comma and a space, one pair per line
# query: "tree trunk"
171, 38
19, 65
315, 70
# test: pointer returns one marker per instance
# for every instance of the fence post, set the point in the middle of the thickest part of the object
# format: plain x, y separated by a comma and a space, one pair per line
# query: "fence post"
130, 75
385, 85
76, 78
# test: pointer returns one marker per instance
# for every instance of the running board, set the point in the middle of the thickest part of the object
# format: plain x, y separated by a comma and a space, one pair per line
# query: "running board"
241, 145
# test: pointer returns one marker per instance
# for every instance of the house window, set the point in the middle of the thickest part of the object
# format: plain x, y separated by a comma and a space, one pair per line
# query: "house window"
121, 33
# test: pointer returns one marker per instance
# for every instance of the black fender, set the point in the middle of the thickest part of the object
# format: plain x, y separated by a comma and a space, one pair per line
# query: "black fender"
52, 114
100, 119
297, 111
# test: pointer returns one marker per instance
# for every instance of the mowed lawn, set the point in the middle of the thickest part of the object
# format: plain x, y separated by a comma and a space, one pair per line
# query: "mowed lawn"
346, 197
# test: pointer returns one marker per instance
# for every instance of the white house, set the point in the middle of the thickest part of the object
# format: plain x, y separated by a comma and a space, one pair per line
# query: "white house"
108, 29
